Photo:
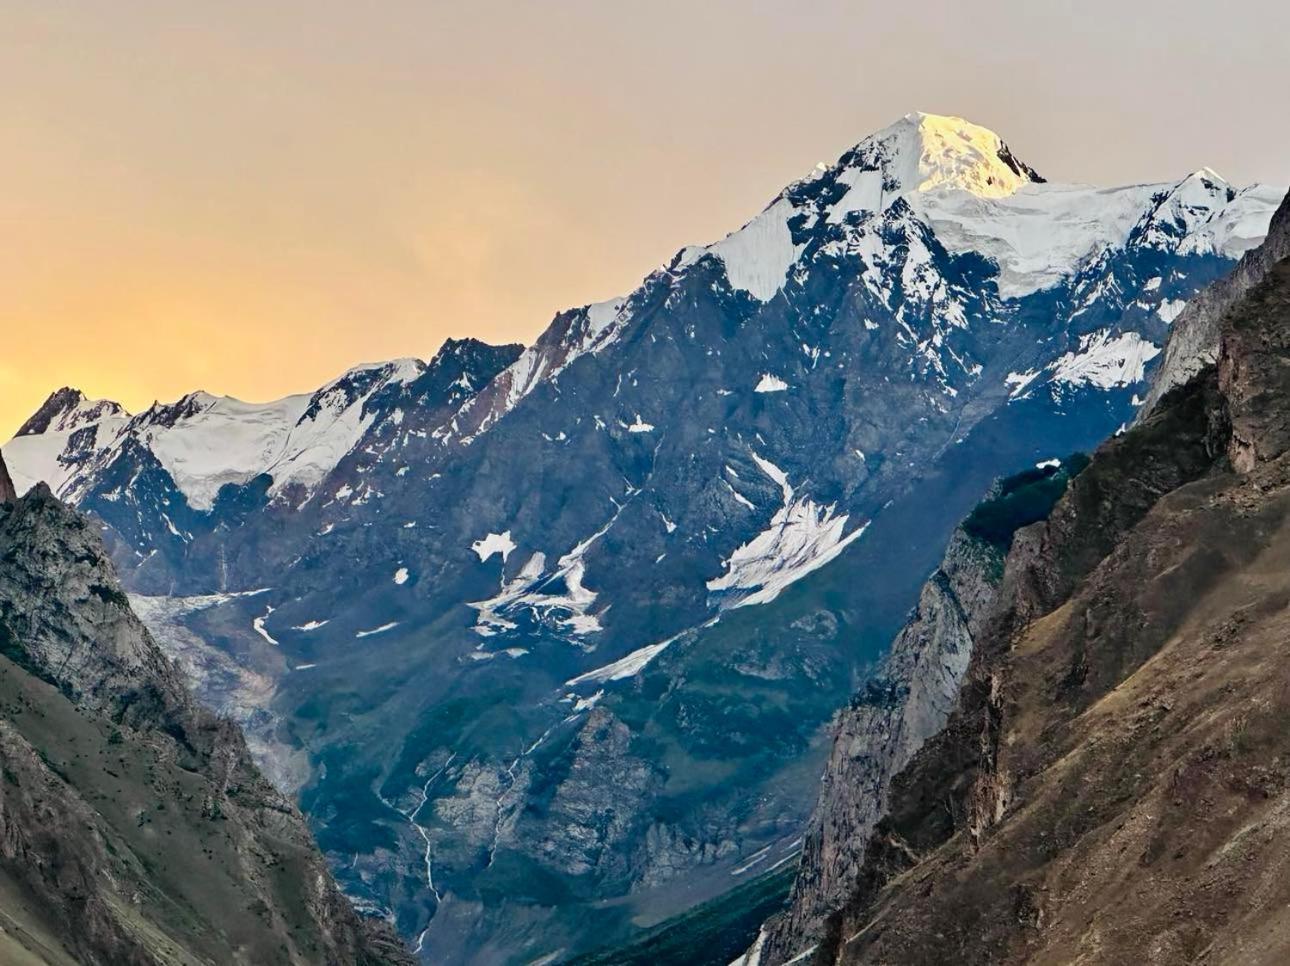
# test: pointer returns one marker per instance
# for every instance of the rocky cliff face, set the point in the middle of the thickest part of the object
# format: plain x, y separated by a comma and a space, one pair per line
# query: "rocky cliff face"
7, 494
904, 704
1193, 343
134, 828
1112, 786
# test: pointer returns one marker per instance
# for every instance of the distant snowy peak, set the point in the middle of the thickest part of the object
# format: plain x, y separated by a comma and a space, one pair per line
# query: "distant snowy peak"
964, 181
925, 183
920, 153
205, 442
1203, 214
67, 409
63, 437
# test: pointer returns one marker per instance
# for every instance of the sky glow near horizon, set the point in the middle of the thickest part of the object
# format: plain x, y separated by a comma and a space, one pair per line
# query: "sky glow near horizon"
250, 198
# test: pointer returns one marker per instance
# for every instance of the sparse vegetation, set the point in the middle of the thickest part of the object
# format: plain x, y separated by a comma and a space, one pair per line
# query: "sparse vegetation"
1023, 499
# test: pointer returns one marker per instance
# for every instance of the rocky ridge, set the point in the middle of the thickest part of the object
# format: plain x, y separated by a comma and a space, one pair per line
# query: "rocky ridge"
134, 828
1193, 341
1112, 786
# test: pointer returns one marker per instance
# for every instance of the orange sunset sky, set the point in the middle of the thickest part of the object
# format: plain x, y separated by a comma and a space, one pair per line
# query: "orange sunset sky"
249, 198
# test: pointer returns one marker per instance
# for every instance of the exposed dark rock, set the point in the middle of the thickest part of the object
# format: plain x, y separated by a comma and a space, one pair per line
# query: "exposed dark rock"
7, 494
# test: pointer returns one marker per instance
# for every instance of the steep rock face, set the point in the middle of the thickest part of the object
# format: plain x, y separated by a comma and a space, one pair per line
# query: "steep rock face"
7, 492
1193, 343
1112, 786
906, 703
1253, 374
133, 826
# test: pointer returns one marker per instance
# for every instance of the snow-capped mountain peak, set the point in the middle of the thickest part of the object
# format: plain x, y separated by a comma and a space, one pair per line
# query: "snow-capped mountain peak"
924, 176
61, 437
1204, 214
205, 441
927, 152
920, 154
68, 409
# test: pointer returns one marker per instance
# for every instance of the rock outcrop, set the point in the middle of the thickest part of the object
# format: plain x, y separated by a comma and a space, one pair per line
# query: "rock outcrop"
1113, 785
1193, 343
134, 828
7, 494
905, 703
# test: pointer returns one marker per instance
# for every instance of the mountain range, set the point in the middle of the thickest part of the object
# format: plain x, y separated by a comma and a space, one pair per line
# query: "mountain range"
1109, 784
547, 640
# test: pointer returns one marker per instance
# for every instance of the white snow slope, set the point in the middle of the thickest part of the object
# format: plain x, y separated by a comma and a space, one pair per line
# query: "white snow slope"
205, 441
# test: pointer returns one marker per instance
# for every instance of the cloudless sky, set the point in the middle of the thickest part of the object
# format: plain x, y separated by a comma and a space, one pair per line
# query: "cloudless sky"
250, 197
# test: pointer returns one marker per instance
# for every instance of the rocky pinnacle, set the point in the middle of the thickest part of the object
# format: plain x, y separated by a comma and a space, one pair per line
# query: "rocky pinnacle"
7, 493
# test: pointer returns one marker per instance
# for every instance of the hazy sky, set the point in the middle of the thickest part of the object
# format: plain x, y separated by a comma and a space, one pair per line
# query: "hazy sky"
250, 197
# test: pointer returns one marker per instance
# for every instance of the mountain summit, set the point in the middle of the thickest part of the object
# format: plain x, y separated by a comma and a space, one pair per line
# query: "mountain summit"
925, 152
548, 638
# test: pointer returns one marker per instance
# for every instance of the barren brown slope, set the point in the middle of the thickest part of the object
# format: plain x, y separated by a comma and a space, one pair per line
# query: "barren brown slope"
1115, 786
134, 828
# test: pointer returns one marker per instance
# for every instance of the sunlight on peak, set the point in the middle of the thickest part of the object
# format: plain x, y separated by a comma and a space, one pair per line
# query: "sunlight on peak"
950, 152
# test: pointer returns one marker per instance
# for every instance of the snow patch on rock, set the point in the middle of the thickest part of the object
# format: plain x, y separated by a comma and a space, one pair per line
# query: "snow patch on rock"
802, 537
494, 543
1105, 361
769, 383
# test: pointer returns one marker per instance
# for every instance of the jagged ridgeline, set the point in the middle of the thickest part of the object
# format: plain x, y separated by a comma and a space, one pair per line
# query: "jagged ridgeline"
547, 640
134, 828
1110, 782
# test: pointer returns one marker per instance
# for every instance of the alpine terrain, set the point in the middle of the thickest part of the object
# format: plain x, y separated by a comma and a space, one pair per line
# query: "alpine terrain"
547, 640
1111, 784
134, 827
918, 687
